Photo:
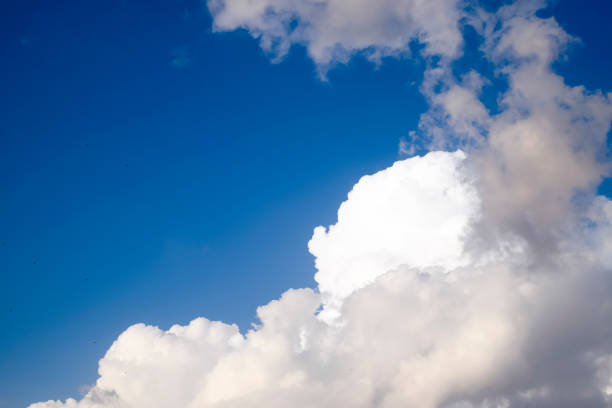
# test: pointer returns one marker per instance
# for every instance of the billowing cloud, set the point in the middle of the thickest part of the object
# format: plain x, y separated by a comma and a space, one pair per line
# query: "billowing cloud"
476, 278
546, 144
415, 213
427, 333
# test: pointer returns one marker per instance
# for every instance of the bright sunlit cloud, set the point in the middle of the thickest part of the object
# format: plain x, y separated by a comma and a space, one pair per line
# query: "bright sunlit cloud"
477, 275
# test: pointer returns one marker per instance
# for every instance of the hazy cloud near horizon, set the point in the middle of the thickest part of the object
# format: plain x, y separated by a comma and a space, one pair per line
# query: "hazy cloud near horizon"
478, 275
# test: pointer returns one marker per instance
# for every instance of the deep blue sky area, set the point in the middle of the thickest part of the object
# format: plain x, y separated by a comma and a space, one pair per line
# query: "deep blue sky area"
152, 171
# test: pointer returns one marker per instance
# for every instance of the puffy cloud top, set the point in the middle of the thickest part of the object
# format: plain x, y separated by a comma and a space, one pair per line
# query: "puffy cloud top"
415, 213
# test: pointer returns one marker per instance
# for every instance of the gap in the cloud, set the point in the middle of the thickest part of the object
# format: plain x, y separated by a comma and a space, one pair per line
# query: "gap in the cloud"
605, 188
474, 59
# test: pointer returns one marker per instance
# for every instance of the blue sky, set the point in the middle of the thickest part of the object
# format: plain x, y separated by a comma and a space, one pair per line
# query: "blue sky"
154, 171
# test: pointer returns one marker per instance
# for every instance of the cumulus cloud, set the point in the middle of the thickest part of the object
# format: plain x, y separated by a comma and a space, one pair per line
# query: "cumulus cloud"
545, 145
425, 332
415, 213
476, 278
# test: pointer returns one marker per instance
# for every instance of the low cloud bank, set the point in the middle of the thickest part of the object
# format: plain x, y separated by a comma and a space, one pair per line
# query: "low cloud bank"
444, 327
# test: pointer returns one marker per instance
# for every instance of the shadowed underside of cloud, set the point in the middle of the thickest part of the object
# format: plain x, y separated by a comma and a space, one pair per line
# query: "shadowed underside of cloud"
475, 278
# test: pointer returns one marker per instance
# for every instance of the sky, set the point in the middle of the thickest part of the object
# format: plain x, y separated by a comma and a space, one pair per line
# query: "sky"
159, 164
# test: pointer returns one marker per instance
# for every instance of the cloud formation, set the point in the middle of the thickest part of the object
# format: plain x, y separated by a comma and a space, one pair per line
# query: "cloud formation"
413, 214
476, 278
546, 145
334, 30
486, 333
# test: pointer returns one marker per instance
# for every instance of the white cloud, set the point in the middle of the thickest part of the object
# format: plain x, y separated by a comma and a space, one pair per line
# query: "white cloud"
545, 144
486, 333
334, 30
453, 280
414, 213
